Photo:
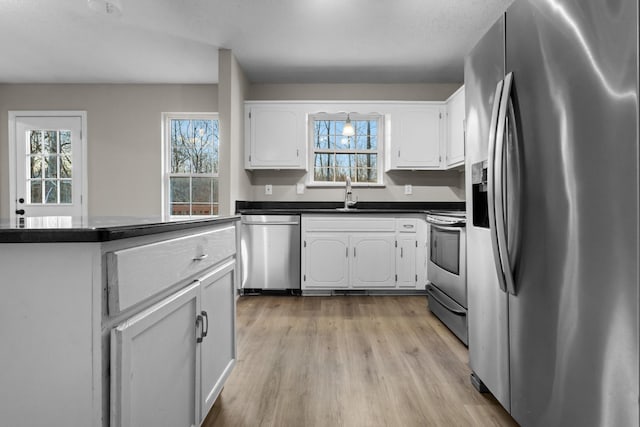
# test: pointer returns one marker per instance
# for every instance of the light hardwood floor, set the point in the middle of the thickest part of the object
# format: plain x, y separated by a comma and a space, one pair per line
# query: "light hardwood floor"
349, 361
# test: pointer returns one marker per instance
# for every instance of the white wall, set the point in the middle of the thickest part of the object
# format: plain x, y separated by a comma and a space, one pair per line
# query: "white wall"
427, 185
124, 136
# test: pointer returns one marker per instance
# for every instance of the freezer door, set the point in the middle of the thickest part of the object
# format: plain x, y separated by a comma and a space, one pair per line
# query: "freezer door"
487, 304
574, 322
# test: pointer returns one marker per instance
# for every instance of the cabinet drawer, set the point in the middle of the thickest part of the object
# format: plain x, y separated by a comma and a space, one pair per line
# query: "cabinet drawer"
360, 223
406, 225
138, 273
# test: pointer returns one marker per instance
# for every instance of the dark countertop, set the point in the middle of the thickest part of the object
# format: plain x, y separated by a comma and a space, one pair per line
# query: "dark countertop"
95, 229
385, 207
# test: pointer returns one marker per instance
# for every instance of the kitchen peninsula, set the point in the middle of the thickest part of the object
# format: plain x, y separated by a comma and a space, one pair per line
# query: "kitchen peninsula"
115, 321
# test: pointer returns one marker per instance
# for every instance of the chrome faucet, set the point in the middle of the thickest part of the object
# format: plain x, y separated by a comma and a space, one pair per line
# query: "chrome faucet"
348, 197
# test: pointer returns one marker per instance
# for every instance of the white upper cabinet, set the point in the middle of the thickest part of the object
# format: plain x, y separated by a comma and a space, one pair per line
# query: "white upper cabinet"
275, 136
455, 129
416, 136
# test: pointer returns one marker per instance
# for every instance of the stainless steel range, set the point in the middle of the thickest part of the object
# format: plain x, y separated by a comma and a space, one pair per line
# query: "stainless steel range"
446, 270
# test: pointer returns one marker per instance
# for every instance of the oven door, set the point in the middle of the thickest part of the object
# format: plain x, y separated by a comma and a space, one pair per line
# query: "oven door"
447, 266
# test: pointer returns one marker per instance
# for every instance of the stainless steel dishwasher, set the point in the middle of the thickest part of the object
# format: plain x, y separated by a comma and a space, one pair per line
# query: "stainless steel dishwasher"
270, 251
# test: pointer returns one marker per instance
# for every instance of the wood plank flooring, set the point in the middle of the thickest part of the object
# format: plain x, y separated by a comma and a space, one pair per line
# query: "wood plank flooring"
349, 361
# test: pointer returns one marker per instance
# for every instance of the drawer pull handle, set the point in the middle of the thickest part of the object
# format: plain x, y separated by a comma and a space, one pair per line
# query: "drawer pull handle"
408, 226
201, 257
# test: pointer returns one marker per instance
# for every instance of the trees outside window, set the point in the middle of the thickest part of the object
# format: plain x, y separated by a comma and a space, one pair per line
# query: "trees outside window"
192, 148
334, 156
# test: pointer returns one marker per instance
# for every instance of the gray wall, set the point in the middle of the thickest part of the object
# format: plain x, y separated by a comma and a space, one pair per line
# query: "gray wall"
233, 87
124, 136
427, 185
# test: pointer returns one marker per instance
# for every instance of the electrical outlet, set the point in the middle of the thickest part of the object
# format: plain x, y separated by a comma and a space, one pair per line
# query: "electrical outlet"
408, 189
300, 188
268, 189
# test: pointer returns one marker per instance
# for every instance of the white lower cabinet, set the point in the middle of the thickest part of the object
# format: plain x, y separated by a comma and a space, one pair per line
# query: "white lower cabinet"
105, 333
218, 347
362, 252
326, 256
406, 261
155, 363
372, 262
169, 362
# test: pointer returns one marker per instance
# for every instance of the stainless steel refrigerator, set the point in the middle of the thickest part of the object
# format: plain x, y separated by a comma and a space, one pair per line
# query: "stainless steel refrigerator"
552, 224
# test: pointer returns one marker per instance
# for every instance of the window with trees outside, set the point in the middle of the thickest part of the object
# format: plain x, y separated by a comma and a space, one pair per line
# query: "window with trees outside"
336, 156
191, 184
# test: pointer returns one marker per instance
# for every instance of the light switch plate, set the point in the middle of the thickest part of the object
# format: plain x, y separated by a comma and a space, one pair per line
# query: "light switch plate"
268, 189
300, 188
408, 189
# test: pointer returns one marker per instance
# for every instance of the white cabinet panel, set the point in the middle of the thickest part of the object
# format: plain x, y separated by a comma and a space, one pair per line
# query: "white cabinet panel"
416, 137
372, 263
275, 136
326, 260
218, 349
155, 363
455, 150
406, 261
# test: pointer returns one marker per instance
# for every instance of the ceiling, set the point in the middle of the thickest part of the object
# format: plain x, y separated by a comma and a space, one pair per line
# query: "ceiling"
275, 41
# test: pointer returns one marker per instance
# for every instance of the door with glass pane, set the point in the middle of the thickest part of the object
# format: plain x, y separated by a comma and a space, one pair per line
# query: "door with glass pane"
48, 166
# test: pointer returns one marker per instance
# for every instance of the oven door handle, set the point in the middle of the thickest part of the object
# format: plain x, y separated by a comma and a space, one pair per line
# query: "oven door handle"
453, 310
445, 227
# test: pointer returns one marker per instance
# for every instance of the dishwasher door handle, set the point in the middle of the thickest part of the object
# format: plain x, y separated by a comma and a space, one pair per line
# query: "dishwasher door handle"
272, 223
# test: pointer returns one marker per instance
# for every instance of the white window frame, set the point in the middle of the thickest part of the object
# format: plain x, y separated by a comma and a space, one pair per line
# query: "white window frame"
380, 118
166, 162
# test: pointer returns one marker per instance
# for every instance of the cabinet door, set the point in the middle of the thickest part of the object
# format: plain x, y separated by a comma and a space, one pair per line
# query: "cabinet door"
373, 260
406, 261
218, 348
326, 260
276, 137
416, 135
455, 129
155, 362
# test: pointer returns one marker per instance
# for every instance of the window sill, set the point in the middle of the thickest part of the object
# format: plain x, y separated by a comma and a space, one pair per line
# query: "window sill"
342, 185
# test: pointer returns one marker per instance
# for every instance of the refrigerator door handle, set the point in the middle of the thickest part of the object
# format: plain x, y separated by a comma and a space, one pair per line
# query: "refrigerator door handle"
491, 193
499, 176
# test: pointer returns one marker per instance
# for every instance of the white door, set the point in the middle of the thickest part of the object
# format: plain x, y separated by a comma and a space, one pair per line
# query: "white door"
416, 135
48, 172
327, 260
276, 136
155, 362
406, 261
218, 349
373, 260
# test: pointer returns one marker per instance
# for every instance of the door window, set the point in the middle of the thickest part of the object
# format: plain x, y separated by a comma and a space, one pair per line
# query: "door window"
445, 249
48, 165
